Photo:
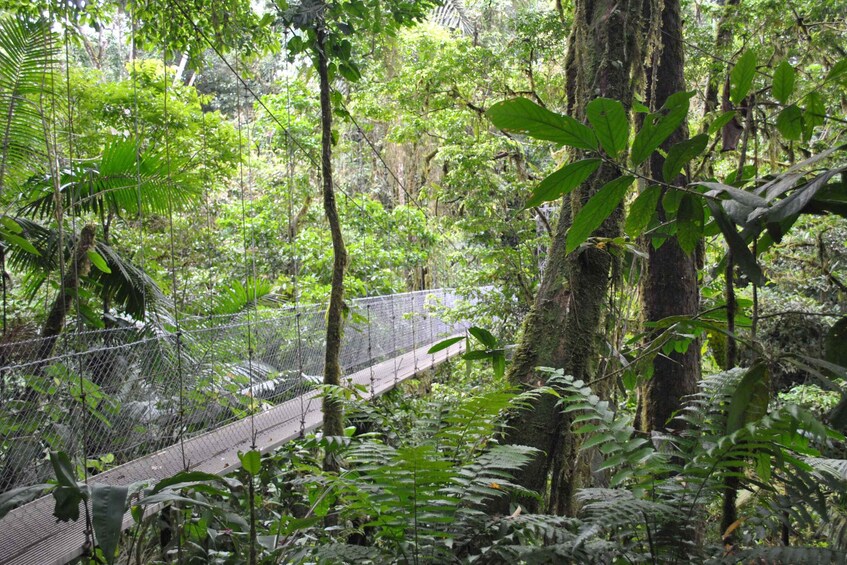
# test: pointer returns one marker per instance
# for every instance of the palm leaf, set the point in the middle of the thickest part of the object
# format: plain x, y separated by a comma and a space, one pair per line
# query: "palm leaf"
452, 15
127, 286
27, 53
121, 181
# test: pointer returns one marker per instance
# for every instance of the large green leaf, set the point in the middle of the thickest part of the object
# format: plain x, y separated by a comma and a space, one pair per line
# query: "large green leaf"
641, 210
680, 154
659, 126
838, 70
814, 113
108, 504
444, 344
98, 261
251, 461
750, 399
186, 477
741, 196
498, 364
797, 201
483, 336
562, 181
689, 220
789, 122
783, 82
63, 469
525, 116
68, 494
721, 121
742, 255
608, 118
19, 242
11, 499
596, 210
741, 77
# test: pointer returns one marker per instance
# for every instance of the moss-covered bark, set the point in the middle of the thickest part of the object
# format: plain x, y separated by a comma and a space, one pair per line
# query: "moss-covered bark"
79, 267
670, 283
562, 328
332, 414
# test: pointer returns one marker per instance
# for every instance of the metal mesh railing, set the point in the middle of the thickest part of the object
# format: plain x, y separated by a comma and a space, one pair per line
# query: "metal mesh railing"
109, 397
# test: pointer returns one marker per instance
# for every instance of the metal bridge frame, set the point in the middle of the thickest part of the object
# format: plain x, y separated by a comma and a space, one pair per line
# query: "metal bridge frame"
30, 535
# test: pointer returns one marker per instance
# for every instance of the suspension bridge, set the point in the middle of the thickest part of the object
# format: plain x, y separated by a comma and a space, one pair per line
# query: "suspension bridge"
145, 405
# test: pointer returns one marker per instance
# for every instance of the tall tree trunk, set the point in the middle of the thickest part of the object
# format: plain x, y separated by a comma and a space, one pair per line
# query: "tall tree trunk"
561, 329
670, 285
719, 77
333, 418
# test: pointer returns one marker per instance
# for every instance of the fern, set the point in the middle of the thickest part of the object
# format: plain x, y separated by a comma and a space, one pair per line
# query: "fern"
629, 459
787, 554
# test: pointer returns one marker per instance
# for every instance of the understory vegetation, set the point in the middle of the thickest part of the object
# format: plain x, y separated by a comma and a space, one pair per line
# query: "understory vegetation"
636, 208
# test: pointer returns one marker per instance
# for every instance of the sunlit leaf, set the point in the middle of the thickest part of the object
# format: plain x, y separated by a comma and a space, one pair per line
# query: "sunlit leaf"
641, 210
562, 181
680, 154
741, 77
525, 116
783, 82
608, 118
596, 210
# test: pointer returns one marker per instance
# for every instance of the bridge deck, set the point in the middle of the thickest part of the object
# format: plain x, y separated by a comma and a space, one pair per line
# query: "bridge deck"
29, 535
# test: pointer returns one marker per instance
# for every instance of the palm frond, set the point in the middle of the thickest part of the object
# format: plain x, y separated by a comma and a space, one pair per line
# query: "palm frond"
453, 15
121, 181
127, 286
27, 52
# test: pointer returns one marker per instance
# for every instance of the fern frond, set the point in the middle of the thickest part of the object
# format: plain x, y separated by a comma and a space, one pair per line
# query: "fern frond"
787, 554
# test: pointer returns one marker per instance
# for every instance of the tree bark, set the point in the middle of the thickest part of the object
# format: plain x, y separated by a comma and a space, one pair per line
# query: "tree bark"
561, 329
79, 267
332, 414
670, 284
719, 77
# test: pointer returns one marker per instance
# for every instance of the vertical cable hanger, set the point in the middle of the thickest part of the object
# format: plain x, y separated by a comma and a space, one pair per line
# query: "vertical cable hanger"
174, 281
292, 244
83, 404
207, 204
246, 257
414, 319
255, 310
136, 137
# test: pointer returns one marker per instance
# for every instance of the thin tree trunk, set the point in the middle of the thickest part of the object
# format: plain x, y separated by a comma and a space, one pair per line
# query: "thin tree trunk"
717, 72
79, 267
333, 418
670, 285
718, 76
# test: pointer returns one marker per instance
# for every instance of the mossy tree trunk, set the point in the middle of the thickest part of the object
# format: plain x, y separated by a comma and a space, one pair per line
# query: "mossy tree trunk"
670, 283
562, 328
332, 413
79, 267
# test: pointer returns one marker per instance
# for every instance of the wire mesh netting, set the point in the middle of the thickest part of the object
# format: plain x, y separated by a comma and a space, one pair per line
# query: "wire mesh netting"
110, 397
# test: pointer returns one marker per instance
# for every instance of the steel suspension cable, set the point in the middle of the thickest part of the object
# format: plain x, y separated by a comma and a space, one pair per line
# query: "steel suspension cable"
75, 251
294, 250
247, 270
174, 281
